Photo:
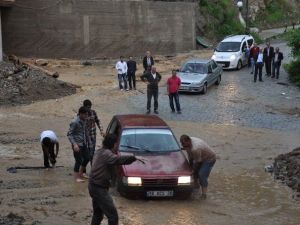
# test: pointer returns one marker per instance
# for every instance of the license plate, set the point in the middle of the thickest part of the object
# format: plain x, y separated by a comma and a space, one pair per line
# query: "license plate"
184, 88
160, 193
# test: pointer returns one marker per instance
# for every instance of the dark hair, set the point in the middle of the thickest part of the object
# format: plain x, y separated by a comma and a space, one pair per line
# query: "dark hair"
121, 57
87, 103
46, 141
109, 141
82, 110
185, 137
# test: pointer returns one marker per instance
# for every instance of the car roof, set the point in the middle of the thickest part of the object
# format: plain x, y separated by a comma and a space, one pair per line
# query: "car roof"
140, 120
236, 38
197, 60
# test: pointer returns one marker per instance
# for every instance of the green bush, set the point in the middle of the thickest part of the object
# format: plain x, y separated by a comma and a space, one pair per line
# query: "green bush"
293, 68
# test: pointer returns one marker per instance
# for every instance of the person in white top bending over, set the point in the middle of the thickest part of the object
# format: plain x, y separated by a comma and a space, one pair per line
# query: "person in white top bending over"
48, 140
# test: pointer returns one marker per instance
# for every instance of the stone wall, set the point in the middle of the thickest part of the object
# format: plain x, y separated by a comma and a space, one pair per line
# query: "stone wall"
97, 28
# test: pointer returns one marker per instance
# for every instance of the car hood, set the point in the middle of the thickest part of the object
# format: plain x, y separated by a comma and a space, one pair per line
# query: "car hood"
191, 77
156, 164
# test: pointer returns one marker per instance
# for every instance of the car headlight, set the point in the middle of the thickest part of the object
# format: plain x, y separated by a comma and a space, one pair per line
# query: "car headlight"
132, 181
214, 57
232, 57
196, 83
184, 180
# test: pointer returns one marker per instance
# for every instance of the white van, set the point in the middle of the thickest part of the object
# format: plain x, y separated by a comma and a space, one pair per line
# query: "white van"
231, 52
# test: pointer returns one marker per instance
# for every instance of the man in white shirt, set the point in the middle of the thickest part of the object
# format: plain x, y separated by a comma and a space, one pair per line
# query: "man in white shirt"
259, 63
121, 67
48, 140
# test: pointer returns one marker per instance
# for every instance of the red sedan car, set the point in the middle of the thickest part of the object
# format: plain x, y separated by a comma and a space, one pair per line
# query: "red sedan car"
164, 170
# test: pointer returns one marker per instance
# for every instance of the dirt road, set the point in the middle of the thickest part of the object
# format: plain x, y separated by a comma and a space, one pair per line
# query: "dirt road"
240, 191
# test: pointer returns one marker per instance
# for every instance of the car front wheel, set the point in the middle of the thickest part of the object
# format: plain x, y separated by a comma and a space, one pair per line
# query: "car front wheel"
204, 90
239, 65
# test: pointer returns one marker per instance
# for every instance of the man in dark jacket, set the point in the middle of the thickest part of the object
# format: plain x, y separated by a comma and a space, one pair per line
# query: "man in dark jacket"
131, 68
152, 78
99, 182
268, 58
148, 62
278, 57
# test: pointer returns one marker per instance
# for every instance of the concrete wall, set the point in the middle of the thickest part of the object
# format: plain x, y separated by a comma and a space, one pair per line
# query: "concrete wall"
97, 28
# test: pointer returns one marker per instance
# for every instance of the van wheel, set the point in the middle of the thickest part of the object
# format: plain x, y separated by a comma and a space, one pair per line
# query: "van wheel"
239, 65
204, 90
218, 81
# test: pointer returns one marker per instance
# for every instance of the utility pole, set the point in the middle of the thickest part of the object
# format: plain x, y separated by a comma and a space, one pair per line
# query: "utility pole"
247, 17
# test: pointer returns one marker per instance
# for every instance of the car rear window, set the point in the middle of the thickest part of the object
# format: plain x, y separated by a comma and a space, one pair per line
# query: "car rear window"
148, 140
194, 68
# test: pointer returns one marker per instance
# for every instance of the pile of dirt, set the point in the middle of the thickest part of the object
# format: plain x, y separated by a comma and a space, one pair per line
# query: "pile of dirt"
287, 169
11, 219
20, 84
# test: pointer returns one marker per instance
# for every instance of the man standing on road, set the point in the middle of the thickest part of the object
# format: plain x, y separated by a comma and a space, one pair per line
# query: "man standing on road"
99, 181
121, 67
202, 159
268, 58
173, 85
131, 65
91, 122
254, 50
152, 78
259, 63
278, 57
48, 140
77, 137
148, 62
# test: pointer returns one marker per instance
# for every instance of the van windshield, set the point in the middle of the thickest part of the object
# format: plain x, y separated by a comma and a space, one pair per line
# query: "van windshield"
228, 47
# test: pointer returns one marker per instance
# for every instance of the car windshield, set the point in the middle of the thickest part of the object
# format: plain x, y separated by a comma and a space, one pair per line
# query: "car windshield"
194, 68
228, 47
148, 140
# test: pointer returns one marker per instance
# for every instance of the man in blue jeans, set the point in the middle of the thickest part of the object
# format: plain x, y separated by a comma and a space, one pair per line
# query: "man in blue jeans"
77, 137
202, 159
173, 85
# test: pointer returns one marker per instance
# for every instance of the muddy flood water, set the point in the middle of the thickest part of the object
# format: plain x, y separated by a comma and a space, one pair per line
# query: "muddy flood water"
240, 191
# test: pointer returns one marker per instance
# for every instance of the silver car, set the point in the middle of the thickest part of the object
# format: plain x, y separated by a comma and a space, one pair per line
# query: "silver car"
198, 74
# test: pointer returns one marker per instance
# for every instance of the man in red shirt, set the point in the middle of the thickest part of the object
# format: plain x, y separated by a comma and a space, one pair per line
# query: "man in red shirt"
254, 50
173, 85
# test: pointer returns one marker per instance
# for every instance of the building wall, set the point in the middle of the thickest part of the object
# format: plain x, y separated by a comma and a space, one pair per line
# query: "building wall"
97, 28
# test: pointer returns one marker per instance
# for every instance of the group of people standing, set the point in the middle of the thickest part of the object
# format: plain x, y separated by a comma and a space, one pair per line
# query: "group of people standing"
265, 56
126, 71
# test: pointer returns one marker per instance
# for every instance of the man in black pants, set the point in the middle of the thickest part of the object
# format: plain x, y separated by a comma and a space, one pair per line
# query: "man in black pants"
131, 68
48, 141
259, 63
278, 57
152, 78
268, 58
77, 137
99, 182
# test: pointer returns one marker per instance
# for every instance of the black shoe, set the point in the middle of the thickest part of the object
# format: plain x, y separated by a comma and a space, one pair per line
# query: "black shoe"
148, 111
179, 112
173, 111
251, 73
254, 81
261, 81
155, 111
272, 76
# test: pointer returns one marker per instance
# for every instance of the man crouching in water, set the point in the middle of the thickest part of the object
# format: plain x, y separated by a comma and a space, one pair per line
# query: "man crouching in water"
102, 167
202, 159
